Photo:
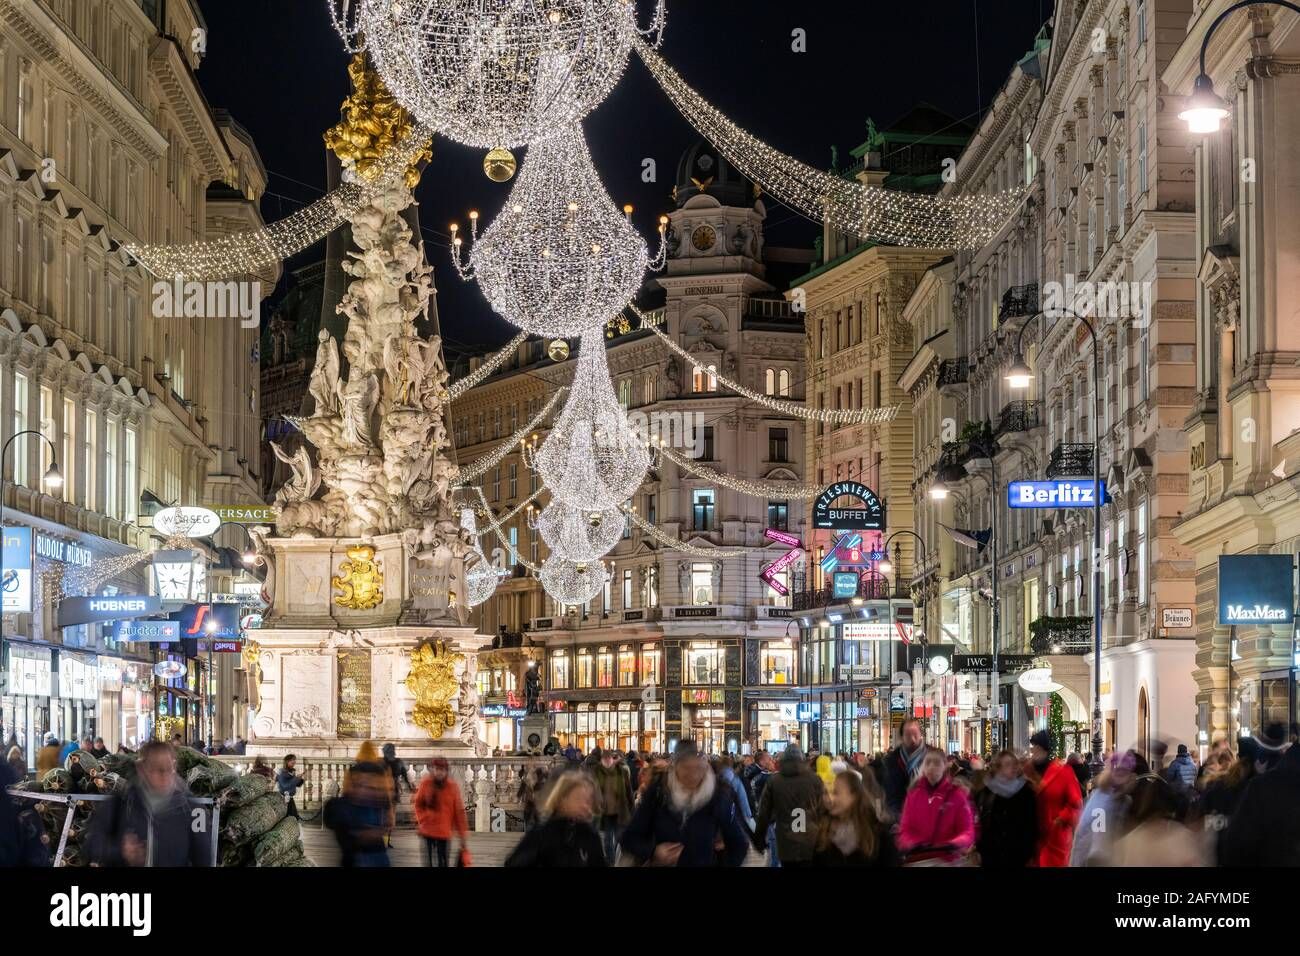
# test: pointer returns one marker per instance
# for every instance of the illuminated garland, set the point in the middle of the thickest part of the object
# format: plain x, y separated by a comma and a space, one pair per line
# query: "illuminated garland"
249, 252
475, 470
889, 216
758, 489
672, 543
463, 385
838, 416
89, 578
500, 532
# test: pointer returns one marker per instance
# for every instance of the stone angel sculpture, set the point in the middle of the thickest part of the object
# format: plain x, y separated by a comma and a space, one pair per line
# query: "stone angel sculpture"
324, 383
360, 397
306, 479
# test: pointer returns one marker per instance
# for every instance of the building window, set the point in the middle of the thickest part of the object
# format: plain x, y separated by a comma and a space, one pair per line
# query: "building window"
20, 259
705, 378
69, 456
560, 669
625, 393
778, 515
627, 588
877, 395
21, 390
626, 666
111, 505
783, 383
777, 662
880, 310
651, 596
701, 583
129, 465
586, 669
512, 534
1142, 156
1140, 15
778, 444
1142, 552
496, 483
607, 596
92, 460
1144, 366
702, 502
604, 667
704, 663
769, 382
651, 509
514, 480
706, 448
651, 662
48, 428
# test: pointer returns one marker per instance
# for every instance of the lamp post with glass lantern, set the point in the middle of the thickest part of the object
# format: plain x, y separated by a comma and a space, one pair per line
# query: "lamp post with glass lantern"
1018, 377
1205, 110
52, 479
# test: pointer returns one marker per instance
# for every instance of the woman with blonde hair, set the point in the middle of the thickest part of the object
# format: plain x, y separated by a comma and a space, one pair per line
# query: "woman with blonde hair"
567, 838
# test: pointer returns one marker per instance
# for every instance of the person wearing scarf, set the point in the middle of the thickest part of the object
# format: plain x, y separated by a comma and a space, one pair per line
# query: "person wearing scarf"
938, 827
1059, 802
900, 766
1008, 818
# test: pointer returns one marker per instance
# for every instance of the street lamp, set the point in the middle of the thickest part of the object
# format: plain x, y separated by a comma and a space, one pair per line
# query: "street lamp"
887, 566
1205, 110
1019, 376
938, 490
52, 479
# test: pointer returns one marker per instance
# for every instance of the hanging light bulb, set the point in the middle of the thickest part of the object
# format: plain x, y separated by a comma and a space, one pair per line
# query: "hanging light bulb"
499, 165
579, 535
551, 264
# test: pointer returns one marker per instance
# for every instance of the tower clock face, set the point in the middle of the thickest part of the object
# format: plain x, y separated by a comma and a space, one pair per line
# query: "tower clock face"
173, 581
703, 238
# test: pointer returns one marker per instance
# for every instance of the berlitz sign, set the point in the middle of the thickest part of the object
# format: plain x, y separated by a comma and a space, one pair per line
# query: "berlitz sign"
870, 517
1063, 493
1256, 589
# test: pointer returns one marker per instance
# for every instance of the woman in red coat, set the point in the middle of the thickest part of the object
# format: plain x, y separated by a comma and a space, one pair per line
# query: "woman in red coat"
1059, 802
439, 810
938, 827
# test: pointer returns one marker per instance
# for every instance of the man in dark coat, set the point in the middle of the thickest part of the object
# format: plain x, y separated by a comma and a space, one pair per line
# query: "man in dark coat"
900, 767
682, 814
153, 823
793, 801
1265, 829
23, 841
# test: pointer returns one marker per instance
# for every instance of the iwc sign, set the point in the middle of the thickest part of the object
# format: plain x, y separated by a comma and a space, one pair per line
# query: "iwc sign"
870, 517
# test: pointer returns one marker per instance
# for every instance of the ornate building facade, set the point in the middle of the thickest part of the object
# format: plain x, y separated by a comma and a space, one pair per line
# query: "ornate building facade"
1244, 417
106, 140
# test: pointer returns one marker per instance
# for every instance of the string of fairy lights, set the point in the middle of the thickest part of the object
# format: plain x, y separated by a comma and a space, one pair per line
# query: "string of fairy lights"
463, 385
477, 469
674, 544
834, 416
963, 221
757, 488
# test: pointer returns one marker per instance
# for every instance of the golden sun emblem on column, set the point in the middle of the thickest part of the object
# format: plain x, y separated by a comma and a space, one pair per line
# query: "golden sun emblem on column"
361, 585
432, 681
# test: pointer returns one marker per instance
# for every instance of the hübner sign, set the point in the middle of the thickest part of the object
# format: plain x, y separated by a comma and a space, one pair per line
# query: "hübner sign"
89, 610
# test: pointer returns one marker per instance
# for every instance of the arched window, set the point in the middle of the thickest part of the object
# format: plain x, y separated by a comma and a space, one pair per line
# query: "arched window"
784, 386
706, 378
649, 389
769, 382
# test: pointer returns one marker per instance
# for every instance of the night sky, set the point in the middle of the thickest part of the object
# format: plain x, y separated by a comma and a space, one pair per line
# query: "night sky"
280, 69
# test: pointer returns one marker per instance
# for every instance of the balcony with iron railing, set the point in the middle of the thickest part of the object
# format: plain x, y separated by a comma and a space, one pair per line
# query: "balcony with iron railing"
1019, 416
953, 372
1060, 635
1070, 459
1019, 301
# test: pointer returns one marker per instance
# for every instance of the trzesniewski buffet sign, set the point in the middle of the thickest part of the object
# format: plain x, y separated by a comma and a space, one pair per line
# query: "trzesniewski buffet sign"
1255, 589
1063, 493
870, 517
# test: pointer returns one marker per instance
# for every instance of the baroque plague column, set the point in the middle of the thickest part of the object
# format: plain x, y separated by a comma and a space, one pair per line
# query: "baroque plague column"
366, 635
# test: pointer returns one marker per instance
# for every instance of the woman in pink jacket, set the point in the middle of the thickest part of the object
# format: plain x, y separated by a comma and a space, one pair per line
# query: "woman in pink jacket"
938, 827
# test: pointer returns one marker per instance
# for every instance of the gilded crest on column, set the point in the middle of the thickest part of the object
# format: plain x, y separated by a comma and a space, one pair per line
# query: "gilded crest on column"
360, 587
432, 682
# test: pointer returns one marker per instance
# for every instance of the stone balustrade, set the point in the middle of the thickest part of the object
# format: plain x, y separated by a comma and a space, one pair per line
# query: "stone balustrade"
494, 779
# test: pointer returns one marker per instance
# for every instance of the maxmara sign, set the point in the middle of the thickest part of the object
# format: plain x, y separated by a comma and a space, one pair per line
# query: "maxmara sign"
1256, 589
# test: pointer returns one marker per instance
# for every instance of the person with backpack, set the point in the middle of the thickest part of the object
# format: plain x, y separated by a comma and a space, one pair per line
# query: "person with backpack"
682, 816
793, 801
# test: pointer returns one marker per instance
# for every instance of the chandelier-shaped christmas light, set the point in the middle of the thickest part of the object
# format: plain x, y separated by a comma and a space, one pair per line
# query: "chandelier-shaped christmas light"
573, 582
495, 73
560, 258
592, 460
482, 576
579, 535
